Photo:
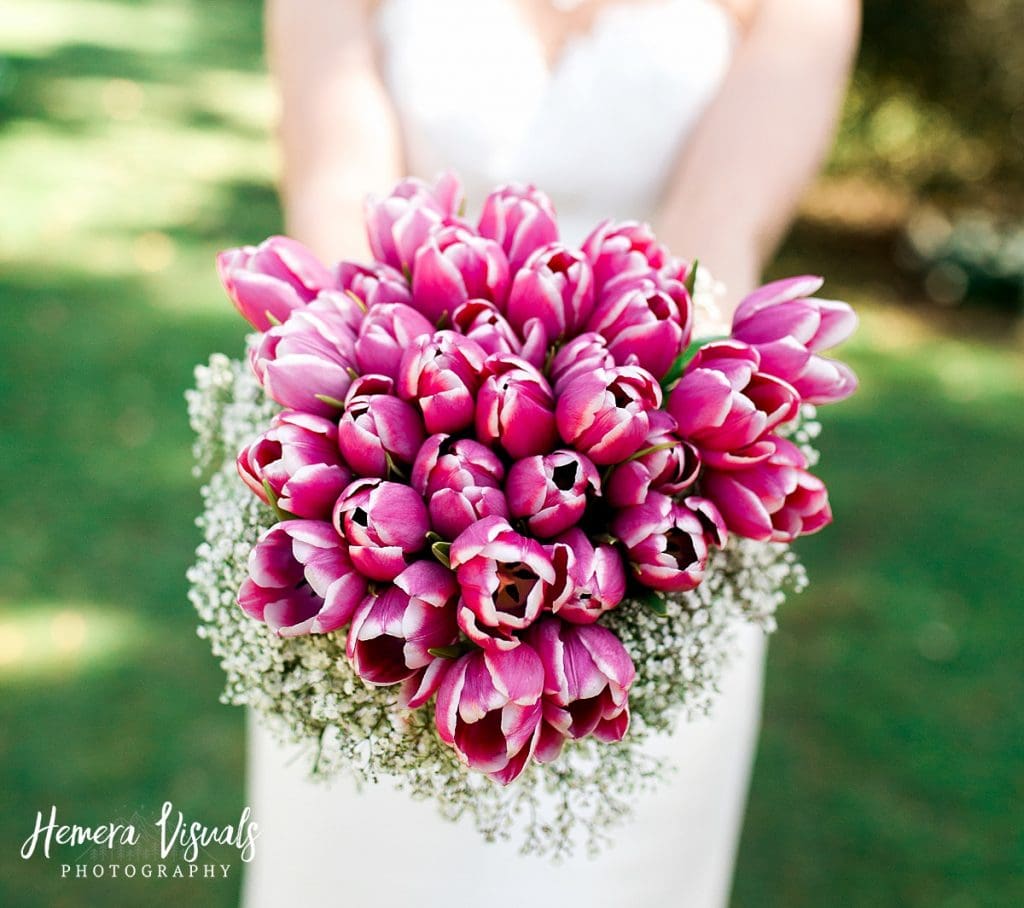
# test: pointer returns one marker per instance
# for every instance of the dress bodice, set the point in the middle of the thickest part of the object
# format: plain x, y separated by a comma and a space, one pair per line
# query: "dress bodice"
598, 130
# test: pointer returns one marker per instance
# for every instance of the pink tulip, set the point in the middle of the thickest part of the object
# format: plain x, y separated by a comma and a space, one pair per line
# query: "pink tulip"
515, 407
378, 432
629, 247
268, 282
587, 676
482, 321
386, 333
308, 358
461, 481
775, 499
505, 580
668, 466
556, 286
675, 273
788, 329
488, 709
589, 581
605, 413
393, 631
520, 219
297, 457
398, 225
441, 373
300, 580
645, 318
384, 524
419, 687
725, 406
371, 285
454, 266
584, 354
668, 541
551, 491
441, 455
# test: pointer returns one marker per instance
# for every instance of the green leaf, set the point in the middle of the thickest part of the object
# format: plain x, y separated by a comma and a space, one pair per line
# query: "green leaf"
691, 277
679, 364
330, 401
282, 514
657, 604
351, 294
393, 468
643, 452
273, 319
441, 551
446, 652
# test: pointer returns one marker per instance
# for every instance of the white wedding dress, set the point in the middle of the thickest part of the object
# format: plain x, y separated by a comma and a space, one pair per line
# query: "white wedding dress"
599, 131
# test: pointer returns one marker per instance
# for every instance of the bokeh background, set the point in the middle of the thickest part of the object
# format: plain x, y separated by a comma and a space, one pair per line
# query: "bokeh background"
135, 143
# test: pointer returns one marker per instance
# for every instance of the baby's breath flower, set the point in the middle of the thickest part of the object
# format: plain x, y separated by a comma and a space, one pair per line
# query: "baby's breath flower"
306, 690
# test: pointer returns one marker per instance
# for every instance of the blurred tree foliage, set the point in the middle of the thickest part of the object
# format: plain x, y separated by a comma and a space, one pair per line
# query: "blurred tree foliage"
938, 100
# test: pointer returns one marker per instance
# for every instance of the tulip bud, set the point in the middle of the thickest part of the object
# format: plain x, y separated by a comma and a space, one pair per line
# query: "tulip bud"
306, 363
605, 413
668, 541
371, 285
488, 709
515, 407
520, 219
725, 406
384, 523
587, 676
482, 322
645, 320
399, 224
774, 499
298, 459
551, 490
556, 286
584, 354
788, 330
461, 481
301, 580
378, 431
386, 333
268, 282
454, 266
393, 632
441, 374
665, 464
589, 581
505, 580
629, 247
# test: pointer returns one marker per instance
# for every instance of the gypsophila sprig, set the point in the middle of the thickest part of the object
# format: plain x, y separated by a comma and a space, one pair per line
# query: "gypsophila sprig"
473, 522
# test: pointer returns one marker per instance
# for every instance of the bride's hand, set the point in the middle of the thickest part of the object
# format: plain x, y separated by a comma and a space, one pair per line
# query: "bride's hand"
338, 133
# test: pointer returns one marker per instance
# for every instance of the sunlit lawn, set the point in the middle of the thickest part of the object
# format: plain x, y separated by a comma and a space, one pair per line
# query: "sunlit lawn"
133, 145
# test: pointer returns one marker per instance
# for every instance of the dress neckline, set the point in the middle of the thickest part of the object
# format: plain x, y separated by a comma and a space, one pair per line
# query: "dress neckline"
553, 58
600, 129
610, 14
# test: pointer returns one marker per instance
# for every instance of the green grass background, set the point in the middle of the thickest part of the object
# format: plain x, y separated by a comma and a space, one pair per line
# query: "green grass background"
134, 143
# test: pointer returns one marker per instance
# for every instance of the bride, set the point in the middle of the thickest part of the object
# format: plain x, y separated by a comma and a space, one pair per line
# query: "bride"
705, 118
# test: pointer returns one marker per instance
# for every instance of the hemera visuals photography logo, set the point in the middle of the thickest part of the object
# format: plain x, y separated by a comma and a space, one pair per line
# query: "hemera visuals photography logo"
171, 847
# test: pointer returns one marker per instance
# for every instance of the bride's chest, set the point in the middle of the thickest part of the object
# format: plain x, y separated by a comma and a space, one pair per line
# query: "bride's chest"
474, 90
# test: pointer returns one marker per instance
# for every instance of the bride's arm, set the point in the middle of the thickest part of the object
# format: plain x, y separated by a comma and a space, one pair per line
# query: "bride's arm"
338, 134
762, 139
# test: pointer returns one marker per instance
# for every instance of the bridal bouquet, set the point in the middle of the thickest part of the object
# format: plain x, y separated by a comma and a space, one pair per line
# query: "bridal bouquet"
483, 513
